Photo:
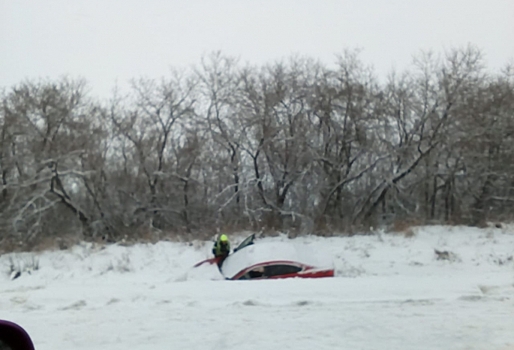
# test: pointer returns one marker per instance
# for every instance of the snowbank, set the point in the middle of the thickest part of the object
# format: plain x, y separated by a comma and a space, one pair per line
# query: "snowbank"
392, 292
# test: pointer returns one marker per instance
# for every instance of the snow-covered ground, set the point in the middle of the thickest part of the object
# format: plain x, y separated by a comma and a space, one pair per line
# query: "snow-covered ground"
391, 292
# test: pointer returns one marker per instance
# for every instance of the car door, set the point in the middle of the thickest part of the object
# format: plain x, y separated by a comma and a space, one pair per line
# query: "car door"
248, 241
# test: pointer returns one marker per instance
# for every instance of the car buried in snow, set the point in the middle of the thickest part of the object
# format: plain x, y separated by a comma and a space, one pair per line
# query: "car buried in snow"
269, 260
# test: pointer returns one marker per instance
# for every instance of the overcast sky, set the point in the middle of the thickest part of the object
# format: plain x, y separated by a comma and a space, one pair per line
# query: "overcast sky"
106, 41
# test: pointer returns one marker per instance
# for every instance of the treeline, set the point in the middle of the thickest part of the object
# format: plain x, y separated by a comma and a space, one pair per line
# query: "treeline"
294, 146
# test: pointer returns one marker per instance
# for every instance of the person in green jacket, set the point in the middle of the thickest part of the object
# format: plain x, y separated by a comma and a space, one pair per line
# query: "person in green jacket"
221, 248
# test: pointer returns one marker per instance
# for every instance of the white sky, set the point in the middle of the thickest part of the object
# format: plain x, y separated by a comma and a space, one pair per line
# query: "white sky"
106, 41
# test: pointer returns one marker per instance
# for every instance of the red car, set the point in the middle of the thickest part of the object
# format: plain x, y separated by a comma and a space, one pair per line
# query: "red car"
270, 260
282, 269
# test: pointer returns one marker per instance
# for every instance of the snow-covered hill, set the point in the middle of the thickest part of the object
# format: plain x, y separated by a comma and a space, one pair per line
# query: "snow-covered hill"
391, 292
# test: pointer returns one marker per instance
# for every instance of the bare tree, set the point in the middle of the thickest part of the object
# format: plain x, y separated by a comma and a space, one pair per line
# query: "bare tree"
220, 80
293, 145
146, 132
343, 107
47, 125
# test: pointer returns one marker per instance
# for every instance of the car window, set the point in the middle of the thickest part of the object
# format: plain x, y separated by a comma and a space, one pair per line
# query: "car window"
276, 270
270, 271
257, 272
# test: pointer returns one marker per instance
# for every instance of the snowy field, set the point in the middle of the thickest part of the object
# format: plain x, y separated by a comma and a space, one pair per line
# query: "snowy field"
391, 292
